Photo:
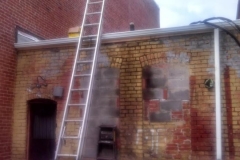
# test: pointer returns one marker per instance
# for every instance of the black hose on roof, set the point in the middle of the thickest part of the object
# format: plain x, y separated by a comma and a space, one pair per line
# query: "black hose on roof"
217, 26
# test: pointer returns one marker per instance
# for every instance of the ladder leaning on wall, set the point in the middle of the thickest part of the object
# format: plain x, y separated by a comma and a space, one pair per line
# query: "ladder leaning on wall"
90, 30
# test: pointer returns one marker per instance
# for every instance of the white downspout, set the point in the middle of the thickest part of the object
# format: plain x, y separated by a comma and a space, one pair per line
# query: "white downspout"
218, 95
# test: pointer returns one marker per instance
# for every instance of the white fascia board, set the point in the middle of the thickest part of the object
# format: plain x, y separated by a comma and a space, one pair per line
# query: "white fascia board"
125, 36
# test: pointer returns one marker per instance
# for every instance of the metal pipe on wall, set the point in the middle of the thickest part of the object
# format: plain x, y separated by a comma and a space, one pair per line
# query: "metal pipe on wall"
218, 95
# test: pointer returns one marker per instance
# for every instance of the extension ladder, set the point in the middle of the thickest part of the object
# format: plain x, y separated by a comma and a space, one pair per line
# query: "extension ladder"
71, 136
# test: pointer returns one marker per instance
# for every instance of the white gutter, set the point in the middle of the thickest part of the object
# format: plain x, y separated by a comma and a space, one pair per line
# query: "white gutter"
125, 36
218, 95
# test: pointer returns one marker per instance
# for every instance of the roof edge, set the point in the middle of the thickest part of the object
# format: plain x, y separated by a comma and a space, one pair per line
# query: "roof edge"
125, 36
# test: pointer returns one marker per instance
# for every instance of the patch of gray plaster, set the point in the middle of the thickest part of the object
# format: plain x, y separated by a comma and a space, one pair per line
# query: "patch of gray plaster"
105, 82
103, 58
170, 85
227, 59
153, 93
84, 82
54, 66
170, 105
179, 94
211, 70
106, 103
106, 73
103, 109
178, 71
178, 83
160, 117
181, 57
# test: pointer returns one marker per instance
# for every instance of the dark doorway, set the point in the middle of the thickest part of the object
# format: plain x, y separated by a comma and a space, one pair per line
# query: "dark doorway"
42, 124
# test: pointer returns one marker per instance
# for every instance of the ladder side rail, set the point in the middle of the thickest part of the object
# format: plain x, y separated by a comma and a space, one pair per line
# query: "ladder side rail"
71, 81
98, 40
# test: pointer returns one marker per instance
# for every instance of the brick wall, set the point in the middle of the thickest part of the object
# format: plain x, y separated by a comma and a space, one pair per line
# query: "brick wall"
189, 133
47, 19
230, 86
57, 66
175, 90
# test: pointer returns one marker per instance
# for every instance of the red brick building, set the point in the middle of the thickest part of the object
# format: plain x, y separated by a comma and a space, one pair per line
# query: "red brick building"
51, 19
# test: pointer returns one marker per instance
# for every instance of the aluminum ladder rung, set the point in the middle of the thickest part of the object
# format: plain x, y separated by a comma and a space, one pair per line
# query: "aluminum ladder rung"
92, 13
80, 104
79, 89
67, 155
70, 137
95, 2
82, 75
86, 49
89, 36
91, 24
73, 120
87, 61
106, 142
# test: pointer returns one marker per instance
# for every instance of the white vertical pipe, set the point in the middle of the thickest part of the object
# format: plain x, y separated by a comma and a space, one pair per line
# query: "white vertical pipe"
218, 95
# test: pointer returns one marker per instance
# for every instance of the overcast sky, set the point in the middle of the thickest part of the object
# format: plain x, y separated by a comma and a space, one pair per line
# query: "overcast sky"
182, 12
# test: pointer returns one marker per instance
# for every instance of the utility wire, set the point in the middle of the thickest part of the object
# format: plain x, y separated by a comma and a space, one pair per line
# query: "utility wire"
226, 20
236, 27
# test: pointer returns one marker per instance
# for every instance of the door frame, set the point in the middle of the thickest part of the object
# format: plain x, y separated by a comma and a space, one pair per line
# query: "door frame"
29, 104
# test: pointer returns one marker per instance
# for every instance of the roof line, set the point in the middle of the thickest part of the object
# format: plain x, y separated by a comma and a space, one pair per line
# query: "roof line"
125, 36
